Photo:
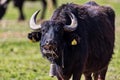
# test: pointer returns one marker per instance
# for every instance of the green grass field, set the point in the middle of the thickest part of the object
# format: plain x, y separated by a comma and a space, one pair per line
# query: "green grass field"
20, 59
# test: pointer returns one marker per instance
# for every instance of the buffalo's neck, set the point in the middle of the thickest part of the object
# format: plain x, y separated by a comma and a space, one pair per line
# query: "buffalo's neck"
68, 57
71, 56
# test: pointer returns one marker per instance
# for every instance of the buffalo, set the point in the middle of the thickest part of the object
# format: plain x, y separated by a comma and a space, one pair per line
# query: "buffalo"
78, 39
19, 4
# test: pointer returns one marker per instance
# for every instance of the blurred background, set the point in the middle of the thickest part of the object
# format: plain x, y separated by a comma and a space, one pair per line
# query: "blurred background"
20, 59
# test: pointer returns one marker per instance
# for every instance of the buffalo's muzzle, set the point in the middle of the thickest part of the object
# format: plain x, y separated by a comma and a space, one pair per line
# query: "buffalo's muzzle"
50, 51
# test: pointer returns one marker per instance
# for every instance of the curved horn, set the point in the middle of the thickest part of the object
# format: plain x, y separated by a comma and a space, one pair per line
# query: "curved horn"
73, 24
33, 24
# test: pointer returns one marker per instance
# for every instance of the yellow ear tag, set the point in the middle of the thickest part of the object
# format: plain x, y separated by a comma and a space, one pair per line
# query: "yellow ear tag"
74, 42
33, 40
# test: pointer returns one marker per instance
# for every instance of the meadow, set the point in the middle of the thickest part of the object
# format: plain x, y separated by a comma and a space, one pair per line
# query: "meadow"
21, 59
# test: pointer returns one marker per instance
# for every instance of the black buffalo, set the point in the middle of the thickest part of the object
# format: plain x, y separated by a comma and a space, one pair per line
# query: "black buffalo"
78, 39
19, 4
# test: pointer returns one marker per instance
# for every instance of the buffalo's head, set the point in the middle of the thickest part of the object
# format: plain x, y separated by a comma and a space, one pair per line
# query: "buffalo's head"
52, 34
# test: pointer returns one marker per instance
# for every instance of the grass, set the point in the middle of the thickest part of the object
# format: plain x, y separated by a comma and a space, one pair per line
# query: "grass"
21, 60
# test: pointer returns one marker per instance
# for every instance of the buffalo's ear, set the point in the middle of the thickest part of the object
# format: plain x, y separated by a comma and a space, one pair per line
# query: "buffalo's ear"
34, 36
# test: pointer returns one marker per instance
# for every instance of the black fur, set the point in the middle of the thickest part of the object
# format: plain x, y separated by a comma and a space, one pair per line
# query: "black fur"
95, 35
34, 36
3, 8
19, 4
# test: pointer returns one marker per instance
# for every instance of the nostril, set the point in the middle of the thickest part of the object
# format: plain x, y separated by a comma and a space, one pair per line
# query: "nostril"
47, 42
55, 43
50, 42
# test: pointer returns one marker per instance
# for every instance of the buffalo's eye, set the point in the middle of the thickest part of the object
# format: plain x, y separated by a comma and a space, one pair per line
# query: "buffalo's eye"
43, 30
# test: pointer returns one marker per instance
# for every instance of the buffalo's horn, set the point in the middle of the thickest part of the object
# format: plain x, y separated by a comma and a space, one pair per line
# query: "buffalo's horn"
33, 24
73, 24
